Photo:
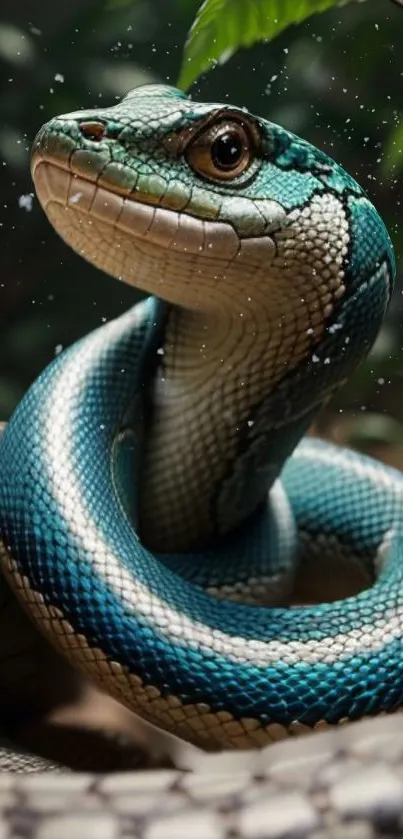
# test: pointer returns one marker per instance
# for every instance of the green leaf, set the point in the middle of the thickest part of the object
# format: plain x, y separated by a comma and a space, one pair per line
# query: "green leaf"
222, 26
393, 157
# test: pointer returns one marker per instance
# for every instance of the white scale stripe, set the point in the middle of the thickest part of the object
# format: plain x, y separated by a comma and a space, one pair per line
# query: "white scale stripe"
179, 628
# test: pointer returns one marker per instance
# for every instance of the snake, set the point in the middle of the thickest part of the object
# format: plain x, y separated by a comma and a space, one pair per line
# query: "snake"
163, 509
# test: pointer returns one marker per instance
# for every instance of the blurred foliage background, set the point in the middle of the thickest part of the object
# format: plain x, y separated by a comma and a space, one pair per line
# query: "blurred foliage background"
337, 79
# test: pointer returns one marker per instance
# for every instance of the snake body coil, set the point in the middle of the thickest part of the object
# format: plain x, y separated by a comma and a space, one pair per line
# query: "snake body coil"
144, 522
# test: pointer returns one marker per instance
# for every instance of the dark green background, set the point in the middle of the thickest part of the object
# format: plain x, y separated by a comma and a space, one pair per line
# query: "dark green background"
337, 80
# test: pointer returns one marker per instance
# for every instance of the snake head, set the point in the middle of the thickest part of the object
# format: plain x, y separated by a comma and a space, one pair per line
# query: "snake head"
212, 208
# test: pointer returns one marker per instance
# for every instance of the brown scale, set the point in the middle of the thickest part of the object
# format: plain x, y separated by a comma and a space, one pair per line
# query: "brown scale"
216, 367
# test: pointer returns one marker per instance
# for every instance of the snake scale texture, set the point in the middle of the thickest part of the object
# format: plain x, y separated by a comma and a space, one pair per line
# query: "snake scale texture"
162, 521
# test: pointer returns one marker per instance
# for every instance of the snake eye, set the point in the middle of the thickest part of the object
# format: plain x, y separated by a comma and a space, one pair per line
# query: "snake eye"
93, 130
222, 152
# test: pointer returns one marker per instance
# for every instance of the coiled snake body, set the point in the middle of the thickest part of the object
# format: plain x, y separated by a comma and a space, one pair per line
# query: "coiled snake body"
144, 522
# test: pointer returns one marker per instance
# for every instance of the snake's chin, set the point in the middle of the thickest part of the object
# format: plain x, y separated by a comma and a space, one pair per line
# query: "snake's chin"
176, 256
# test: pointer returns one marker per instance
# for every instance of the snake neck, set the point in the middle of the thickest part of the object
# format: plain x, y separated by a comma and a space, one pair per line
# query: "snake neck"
211, 373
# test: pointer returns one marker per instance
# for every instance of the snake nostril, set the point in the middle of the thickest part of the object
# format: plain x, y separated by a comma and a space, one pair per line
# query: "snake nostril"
93, 130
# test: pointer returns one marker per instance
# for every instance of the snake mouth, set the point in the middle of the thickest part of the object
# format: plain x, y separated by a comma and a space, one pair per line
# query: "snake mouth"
159, 250
58, 186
